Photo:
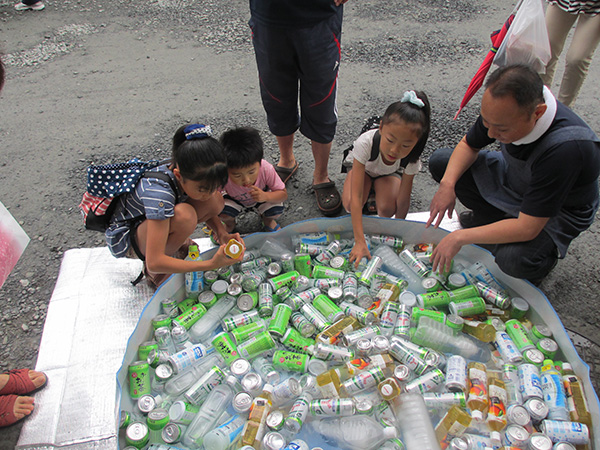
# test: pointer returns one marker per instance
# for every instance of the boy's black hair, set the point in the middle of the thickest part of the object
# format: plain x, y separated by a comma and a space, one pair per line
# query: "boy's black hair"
243, 147
519, 81
200, 159
411, 113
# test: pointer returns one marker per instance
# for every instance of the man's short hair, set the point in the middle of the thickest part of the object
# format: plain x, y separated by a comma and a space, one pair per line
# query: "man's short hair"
519, 81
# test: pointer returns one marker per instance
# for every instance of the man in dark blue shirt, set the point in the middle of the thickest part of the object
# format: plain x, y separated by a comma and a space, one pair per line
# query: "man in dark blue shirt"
531, 199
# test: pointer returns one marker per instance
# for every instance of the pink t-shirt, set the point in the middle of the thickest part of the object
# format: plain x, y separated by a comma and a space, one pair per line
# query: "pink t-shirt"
267, 180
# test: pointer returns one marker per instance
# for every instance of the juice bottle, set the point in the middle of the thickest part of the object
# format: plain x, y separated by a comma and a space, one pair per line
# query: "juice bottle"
485, 332
477, 399
496, 418
576, 402
453, 424
254, 429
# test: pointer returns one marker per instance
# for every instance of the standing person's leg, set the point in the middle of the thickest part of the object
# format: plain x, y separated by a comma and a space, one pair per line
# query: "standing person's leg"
579, 56
559, 23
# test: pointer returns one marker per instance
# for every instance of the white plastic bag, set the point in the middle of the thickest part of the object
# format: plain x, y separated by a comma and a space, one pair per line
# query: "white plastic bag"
527, 39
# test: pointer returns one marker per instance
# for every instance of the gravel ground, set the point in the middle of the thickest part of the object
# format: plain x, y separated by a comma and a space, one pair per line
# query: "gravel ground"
97, 81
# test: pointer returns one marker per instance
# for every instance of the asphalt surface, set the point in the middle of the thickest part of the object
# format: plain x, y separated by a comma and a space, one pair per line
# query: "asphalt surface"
99, 81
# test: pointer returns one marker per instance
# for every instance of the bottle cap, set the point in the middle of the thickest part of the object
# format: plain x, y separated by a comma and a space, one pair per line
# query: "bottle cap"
496, 438
390, 432
477, 415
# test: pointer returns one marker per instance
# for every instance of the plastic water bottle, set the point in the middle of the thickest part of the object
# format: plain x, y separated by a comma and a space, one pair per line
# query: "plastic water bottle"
554, 393
355, 432
223, 436
209, 322
414, 422
179, 383
438, 336
392, 264
217, 401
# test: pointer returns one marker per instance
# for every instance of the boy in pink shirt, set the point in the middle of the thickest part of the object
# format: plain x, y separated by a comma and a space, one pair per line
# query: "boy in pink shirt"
253, 182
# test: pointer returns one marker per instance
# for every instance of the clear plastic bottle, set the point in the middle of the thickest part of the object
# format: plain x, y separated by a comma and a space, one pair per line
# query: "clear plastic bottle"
218, 400
414, 422
224, 435
391, 263
576, 402
496, 419
392, 444
358, 432
438, 336
477, 401
179, 383
194, 281
554, 392
264, 367
209, 322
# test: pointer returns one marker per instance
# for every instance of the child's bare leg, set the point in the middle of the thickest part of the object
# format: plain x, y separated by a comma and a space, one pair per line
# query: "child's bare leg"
347, 192
386, 193
228, 221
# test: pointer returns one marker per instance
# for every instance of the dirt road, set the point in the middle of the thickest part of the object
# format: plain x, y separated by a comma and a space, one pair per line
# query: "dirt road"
98, 81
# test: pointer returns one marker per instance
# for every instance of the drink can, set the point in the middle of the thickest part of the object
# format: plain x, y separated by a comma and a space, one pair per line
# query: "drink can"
146, 403
282, 294
468, 307
517, 333
258, 263
314, 316
295, 301
224, 272
252, 383
160, 321
534, 356
444, 400
327, 272
381, 344
311, 249
265, 300
302, 324
417, 313
137, 434
316, 366
256, 345
402, 373
172, 433
518, 415
238, 320
285, 279
145, 348
329, 252
433, 299
298, 444
548, 347
455, 322
291, 361
519, 308
294, 340
388, 318
328, 308
509, 353
273, 440
332, 407
390, 241
273, 269
287, 390
335, 294
431, 284
458, 444
563, 446
280, 320
369, 272
190, 316
302, 283
515, 436
329, 352
571, 432
244, 332
202, 387
187, 303
408, 298
157, 419
275, 420
242, 401
418, 267
364, 347
225, 346
350, 339
252, 279
363, 315
456, 280
493, 296
240, 367
169, 307
363, 380
540, 331
300, 409
539, 441
530, 382
157, 357
402, 326
402, 354
234, 289
537, 409
350, 287
310, 294
303, 264
287, 262
209, 298
456, 374
139, 379
427, 382
236, 278
247, 301
210, 276
339, 262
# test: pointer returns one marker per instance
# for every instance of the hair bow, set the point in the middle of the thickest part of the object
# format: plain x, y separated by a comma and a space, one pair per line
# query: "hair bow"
197, 131
411, 97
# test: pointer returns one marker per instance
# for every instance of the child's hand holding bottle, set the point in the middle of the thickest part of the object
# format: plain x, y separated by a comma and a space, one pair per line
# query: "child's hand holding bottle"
221, 259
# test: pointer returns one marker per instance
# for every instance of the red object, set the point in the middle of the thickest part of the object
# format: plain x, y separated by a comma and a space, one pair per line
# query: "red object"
496, 37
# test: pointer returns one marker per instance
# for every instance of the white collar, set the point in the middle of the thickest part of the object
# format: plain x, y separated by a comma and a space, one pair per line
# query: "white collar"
543, 123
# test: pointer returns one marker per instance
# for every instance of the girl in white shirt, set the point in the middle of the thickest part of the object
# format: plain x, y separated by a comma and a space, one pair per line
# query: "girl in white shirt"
390, 169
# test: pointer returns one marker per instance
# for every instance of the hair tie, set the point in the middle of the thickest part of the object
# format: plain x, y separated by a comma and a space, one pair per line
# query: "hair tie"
411, 97
197, 131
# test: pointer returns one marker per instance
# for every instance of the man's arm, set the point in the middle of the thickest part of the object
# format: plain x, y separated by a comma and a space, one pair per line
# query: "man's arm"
444, 199
522, 229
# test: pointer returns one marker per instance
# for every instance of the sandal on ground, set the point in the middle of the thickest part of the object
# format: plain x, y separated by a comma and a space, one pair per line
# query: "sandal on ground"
7, 410
370, 207
19, 383
329, 200
277, 227
286, 173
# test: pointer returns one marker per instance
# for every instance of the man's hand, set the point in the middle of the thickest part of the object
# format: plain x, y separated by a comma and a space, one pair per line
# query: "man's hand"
443, 202
445, 251
257, 194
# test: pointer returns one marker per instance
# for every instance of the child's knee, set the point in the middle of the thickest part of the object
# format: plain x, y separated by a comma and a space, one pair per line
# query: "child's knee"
386, 210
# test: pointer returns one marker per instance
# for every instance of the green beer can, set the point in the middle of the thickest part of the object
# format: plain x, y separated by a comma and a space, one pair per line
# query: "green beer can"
145, 348
291, 361
243, 332
280, 320
187, 303
327, 272
224, 345
294, 340
256, 345
285, 279
139, 379
161, 320
303, 264
190, 316
328, 308
468, 307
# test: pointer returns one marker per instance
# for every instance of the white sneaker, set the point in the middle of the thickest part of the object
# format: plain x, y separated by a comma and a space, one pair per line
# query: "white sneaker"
36, 6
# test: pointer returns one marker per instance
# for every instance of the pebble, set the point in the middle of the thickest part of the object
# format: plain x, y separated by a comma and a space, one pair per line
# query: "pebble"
24, 327
24, 282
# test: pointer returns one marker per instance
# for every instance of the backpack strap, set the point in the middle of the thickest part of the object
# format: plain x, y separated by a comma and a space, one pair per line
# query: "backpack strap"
375, 146
162, 176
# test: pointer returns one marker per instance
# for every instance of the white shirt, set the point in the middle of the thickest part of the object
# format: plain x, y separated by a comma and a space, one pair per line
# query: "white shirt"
362, 152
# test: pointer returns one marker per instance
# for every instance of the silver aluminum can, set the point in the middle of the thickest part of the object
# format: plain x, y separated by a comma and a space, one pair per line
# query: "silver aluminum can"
509, 352
332, 407
234, 289
273, 441
563, 446
252, 383
236, 278
353, 337
518, 415
172, 433
456, 374
515, 436
427, 382
572, 432
329, 352
530, 382
364, 347
381, 344
146, 403
338, 262
534, 356
273, 269
240, 367
539, 441
537, 409
335, 293
458, 443
137, 432
408, 298
402, 373
275, 420
242, 401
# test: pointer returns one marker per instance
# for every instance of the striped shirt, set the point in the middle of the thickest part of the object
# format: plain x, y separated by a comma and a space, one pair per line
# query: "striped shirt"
152, 199
591, 7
